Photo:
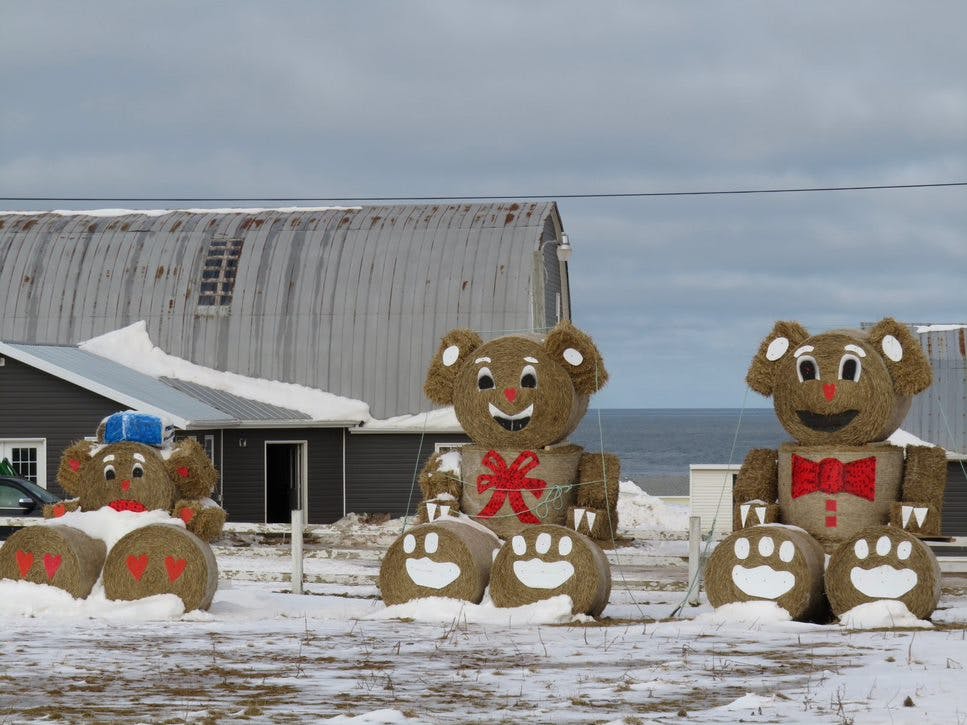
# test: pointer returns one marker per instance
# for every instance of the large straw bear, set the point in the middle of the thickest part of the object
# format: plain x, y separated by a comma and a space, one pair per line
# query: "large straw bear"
141, 517
839, 489
518, 398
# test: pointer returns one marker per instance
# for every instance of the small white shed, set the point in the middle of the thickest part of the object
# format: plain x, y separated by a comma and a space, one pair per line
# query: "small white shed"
710, 493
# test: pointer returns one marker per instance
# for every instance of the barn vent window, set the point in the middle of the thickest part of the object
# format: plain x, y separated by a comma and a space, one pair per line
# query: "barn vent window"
219, 271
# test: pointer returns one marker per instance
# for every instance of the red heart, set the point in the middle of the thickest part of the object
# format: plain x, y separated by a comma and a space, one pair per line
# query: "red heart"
52, 564
187, 515
176, 567
184, 472
74, 464
25, 560
59, 510
137, 565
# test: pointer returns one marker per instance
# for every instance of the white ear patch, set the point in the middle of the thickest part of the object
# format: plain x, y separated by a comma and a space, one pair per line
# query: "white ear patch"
573, 357
892, 348
451, 355
777, 348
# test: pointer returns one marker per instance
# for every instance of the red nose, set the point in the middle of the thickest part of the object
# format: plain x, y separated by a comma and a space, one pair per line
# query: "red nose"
510, 394
125, 485
829, 390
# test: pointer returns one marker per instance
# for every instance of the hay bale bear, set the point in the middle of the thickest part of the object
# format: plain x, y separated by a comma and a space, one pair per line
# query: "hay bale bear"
141, 518
858, 499
518, 398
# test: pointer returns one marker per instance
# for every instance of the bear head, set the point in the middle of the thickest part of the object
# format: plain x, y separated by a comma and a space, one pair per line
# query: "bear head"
517, 391
843, 387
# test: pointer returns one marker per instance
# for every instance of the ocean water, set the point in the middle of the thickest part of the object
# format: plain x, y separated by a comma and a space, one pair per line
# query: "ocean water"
656, 446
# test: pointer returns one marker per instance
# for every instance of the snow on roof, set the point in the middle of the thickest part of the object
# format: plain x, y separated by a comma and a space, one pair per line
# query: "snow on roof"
131, 346
938, 328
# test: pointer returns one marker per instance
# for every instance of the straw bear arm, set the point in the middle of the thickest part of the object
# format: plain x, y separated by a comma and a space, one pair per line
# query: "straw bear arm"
53, 510
201, 517
925, 476
434, 482
758, 478
598, 477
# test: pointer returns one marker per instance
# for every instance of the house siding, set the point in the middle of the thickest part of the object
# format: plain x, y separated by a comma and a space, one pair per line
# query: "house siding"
954, 519
382, 470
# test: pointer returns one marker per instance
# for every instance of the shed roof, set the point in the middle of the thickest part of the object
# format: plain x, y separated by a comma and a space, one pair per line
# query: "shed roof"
351, 301
185, 405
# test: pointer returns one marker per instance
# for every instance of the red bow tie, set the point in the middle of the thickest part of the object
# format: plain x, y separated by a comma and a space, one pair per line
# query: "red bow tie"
833, 476
510, 482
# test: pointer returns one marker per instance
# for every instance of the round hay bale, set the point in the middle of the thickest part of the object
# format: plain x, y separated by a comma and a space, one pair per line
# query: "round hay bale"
61, 556
545, 561
883, 562
509, 490
162, 559
440, 559
773, 562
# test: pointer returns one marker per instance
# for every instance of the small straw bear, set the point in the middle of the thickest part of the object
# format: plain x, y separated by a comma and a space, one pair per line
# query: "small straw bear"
517, 397
849, 494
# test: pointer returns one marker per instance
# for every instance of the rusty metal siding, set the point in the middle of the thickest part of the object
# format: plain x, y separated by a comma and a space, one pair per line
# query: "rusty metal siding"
939, 414
352, 301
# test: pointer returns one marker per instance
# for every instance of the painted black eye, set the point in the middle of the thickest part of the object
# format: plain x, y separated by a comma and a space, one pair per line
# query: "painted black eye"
109, 473
528, 377
485, 381
137, 471
850, 368
807, 369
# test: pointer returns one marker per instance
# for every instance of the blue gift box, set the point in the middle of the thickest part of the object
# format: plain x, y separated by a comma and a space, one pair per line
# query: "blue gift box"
134, 427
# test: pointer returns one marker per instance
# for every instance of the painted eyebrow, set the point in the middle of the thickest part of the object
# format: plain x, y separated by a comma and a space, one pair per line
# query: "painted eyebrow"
481, 359
138, 457
803, 349
531, 360
108, 458
855, 348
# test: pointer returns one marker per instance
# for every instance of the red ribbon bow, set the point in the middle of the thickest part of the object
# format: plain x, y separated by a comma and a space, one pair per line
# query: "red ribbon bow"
833, 476
510, 482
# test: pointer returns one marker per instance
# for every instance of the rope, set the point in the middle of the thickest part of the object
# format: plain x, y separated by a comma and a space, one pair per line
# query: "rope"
416, 473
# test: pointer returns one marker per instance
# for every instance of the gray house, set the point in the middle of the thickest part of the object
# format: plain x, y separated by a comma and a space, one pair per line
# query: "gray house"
348, 301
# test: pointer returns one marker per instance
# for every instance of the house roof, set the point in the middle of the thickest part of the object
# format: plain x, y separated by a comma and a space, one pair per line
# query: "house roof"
183, 404
350, 301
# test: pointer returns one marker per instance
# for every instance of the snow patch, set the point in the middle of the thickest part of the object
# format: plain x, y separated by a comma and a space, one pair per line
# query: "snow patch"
639, 511
556, 610
883, 614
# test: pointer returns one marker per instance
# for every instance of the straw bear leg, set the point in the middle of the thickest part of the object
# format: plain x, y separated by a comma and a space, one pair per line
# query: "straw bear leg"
883, 563
59, 556
768, 563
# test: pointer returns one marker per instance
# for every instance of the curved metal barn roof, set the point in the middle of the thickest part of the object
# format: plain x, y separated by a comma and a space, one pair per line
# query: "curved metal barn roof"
351, 301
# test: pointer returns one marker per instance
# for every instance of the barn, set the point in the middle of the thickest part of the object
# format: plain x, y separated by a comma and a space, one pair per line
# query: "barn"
345, 302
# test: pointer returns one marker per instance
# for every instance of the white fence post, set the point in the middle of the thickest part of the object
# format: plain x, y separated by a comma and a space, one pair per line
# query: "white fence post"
694, 558
297, 551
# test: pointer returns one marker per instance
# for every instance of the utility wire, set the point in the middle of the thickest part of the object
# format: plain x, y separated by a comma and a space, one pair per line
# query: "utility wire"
509, 197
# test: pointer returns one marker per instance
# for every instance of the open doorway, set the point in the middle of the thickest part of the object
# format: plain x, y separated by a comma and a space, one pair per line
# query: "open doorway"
285, 479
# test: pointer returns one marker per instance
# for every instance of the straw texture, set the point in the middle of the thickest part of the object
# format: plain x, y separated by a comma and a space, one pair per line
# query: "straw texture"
61, 556
775, 563
162, 559
883, 562
440, 559
509, 489
547, 561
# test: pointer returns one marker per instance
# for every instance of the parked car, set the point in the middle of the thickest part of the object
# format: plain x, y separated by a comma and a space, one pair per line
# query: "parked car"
19, 497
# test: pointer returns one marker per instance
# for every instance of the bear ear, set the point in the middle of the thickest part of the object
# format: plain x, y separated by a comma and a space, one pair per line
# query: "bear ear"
577, 354
69, 472
455, 348
190, 470
904, 358
784, 338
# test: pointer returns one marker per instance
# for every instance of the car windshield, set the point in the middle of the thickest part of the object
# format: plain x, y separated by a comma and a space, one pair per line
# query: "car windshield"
40, 493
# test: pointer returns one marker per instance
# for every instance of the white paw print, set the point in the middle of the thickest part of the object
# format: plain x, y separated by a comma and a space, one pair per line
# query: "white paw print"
763, 580
883, 581
535, 572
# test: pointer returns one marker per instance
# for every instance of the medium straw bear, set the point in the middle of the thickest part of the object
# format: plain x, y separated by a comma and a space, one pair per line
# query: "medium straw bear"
848, 493
518, 398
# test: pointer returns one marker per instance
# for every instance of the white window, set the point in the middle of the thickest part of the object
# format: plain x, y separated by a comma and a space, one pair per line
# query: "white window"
28, 457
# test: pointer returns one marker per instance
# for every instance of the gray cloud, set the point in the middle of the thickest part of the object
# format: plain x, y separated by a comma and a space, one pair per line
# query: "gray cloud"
380, 98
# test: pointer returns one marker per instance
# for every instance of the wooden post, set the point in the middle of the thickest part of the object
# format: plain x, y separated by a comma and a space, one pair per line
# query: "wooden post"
297, 551
694, 558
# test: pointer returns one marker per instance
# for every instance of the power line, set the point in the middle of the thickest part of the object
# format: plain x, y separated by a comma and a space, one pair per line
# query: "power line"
508, 197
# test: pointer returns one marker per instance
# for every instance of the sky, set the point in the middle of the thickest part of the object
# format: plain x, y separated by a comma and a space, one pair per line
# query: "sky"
454, 98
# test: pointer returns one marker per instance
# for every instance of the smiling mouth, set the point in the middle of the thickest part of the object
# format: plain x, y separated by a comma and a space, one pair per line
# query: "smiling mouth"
826, 423
515, 422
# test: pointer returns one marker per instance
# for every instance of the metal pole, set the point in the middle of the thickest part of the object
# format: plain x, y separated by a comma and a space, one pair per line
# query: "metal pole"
694, 557
297, 551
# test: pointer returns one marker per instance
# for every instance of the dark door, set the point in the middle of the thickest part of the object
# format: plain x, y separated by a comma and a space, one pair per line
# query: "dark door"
283, 481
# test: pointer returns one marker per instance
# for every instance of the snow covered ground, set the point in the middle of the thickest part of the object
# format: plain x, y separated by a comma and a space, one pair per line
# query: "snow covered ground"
337, 654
